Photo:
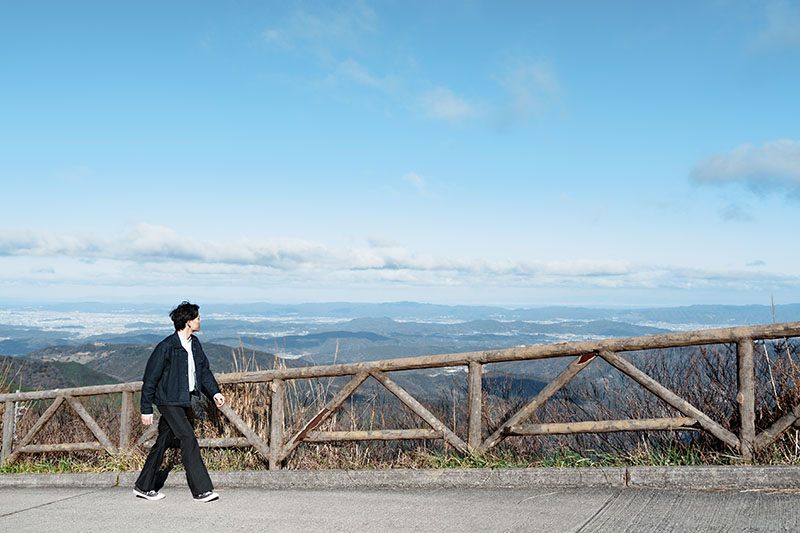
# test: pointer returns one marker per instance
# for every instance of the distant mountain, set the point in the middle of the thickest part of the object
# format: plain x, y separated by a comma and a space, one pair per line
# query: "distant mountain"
16, 340
38, 375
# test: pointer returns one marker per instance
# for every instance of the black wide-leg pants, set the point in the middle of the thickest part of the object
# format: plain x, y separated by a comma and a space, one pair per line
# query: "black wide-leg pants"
175, 425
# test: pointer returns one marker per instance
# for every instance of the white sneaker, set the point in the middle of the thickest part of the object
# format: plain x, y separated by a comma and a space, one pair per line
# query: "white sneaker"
151, 495
209, 496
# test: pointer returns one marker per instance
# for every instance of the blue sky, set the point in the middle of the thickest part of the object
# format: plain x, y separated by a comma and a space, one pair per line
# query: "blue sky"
515, 153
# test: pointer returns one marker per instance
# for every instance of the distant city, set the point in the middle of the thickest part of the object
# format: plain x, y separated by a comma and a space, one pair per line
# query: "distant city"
39, 325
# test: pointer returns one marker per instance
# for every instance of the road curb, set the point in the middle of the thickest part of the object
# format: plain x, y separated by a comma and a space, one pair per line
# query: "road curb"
682, 477
714, 477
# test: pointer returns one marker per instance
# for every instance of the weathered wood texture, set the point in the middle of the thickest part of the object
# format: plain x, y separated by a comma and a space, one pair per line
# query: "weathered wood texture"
46, 416
605, 426
277, 389
90, 422
475, 405
8, 430
378, 434
126, 412
64, 447
670, 397
148, 434
545, 394
769, 435
746, 398
251, 436
227, 442
323, 413
412, 403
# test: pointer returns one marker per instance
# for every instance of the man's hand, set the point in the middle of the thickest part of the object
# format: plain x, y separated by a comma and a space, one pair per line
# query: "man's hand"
219, 399
147, 420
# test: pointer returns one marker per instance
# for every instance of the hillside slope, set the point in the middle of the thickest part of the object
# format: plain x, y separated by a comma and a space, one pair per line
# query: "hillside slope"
126, 362
39, 375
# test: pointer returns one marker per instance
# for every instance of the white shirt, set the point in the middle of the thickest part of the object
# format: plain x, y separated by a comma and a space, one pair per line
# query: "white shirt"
187, 345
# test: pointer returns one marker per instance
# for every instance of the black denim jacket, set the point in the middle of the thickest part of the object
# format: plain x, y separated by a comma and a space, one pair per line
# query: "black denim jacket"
166, 376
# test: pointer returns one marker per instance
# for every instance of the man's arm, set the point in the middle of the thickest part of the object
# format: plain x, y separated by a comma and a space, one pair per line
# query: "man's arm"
152, 373
207, 381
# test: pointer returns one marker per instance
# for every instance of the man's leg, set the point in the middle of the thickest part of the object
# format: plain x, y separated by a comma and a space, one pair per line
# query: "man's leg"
147, 479
196, 473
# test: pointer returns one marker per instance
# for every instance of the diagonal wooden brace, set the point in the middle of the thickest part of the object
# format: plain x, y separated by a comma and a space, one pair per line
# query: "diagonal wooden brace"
148, 434
253, 438
629, 369
324, 413
545, 394
411, 402
46, 416
769, 435
93, 426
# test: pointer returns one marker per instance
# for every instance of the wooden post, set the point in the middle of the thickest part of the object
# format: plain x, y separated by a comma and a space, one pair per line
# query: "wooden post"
8, 430
746, 398
276, 424
475, 406
126, 410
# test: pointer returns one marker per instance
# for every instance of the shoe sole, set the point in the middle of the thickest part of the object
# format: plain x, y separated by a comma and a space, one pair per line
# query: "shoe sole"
144, 497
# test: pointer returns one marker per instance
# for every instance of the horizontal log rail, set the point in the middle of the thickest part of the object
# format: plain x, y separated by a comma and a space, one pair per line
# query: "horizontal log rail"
381, 434
605, 426
278, 448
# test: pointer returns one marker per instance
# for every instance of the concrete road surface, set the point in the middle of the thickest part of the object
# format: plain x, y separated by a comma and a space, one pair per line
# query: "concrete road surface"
443, 509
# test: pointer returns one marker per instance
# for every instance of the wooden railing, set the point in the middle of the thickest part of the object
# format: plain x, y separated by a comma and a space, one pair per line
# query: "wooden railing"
278, 448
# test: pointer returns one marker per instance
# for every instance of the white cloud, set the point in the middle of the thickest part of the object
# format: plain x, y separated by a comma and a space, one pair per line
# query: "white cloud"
159, 256
418, 182
442, 104
38, 243
774, 164
782, 26
328, 27
275, 37
531, 88
352, 70
380, 241
74, 176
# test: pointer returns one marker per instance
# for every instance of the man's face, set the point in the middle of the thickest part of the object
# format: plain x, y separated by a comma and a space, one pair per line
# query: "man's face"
194, 324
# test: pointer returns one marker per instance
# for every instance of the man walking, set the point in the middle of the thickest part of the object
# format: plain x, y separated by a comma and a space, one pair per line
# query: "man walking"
176, 372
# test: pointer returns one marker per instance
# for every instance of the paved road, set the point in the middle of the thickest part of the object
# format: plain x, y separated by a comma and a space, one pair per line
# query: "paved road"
443, 509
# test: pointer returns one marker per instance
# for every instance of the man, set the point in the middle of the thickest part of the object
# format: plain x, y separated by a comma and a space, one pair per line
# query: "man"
177, 371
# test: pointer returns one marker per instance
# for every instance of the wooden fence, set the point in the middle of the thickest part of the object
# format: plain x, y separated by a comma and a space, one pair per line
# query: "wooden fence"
279, 447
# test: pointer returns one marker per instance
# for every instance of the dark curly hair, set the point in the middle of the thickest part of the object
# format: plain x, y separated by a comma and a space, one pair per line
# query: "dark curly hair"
184, 313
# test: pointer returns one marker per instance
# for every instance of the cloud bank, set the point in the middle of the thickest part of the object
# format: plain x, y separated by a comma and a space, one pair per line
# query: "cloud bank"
148, 250
775, 164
